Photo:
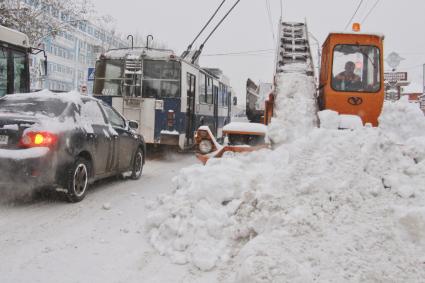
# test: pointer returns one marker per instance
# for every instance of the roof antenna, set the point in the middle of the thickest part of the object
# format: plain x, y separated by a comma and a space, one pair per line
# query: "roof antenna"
147, 40
132, 40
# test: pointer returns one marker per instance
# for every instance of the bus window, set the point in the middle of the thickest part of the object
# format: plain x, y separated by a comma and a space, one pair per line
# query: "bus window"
209, 91
202, 89
356, 68
19, 80
3, 72
170, 89
220, 94
151, 88
161, 79
109, 77
225, 97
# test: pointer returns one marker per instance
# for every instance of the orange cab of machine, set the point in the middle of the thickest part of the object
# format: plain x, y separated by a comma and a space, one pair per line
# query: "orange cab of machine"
352, 76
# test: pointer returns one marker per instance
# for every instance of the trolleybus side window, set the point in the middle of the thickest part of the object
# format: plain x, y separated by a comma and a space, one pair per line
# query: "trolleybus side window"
161, 79
226, 96
222, 95
202, 88
356, 68
3, 72
209, 90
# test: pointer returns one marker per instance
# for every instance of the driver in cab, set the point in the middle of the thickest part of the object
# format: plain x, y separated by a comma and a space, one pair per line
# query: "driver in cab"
347, 80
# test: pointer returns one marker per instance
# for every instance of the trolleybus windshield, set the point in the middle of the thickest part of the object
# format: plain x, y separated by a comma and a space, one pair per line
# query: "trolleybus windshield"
109, 77
161, 79
13, 71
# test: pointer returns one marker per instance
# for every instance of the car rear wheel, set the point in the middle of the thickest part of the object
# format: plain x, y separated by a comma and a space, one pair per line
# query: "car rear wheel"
137, 168
78, 180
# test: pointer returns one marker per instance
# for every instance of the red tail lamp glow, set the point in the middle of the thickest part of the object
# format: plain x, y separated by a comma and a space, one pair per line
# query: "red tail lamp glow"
38, 139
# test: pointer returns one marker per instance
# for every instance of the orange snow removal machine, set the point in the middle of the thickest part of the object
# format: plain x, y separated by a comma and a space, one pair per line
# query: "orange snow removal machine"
351, 79
351, 82
352, 75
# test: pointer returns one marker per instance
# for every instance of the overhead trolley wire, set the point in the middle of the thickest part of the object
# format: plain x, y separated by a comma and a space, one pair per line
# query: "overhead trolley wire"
370, 11
251, 52
355, 13
199, 51
202, 30
269, 14
281, 9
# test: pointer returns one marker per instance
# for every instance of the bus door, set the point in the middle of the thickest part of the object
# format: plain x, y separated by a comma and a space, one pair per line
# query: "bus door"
215, 99
190, 108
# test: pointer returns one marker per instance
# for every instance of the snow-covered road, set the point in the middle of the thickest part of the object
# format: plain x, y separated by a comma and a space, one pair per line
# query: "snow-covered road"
101, 239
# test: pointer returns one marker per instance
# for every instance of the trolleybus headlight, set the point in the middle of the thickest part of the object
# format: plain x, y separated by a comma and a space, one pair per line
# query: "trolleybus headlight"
205, 146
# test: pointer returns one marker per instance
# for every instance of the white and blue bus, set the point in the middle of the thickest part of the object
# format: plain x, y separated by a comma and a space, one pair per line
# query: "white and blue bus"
169, 97
14, 62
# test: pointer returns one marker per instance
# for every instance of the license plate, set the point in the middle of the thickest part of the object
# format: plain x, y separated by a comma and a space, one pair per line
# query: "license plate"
4, 139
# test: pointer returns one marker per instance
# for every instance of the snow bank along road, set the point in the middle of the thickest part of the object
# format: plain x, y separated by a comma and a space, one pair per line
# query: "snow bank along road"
101, 239
327, 205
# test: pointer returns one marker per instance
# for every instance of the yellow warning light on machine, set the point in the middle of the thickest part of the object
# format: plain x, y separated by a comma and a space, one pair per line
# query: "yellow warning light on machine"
356, 27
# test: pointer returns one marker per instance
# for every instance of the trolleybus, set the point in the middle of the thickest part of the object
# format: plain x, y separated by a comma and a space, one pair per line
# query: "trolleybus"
168, 96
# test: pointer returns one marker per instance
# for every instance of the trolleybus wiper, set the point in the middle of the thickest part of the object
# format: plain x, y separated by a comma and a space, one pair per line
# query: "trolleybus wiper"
185, 53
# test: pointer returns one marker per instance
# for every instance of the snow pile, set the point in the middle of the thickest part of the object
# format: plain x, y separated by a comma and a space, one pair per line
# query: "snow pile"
245, 127
295, 107
330, 119
331, 206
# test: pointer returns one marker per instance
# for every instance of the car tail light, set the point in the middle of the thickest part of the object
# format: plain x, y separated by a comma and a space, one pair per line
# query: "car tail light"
38, 139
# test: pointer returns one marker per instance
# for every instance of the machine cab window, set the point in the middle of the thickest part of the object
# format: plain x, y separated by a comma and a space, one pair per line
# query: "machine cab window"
356, 68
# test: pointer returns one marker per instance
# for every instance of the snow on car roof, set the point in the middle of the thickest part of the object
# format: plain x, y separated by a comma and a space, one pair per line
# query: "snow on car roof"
67, 97
55, 124
245, 127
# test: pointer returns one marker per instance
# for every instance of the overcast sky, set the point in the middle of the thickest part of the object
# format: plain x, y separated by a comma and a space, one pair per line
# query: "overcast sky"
248, 28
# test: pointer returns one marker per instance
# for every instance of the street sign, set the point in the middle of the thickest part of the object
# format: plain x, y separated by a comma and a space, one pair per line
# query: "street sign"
90, 74
393, 60
395, 76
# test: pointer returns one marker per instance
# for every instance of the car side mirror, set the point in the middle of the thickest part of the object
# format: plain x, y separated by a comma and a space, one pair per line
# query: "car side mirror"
133, 125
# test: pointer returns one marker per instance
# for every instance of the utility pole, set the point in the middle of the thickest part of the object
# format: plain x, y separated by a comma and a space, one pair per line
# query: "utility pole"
423, 80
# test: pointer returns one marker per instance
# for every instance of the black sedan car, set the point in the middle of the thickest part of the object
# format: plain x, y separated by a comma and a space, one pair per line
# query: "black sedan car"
65, 141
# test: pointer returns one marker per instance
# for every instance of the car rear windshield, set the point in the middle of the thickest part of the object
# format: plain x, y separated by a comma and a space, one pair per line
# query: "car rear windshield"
33, 106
